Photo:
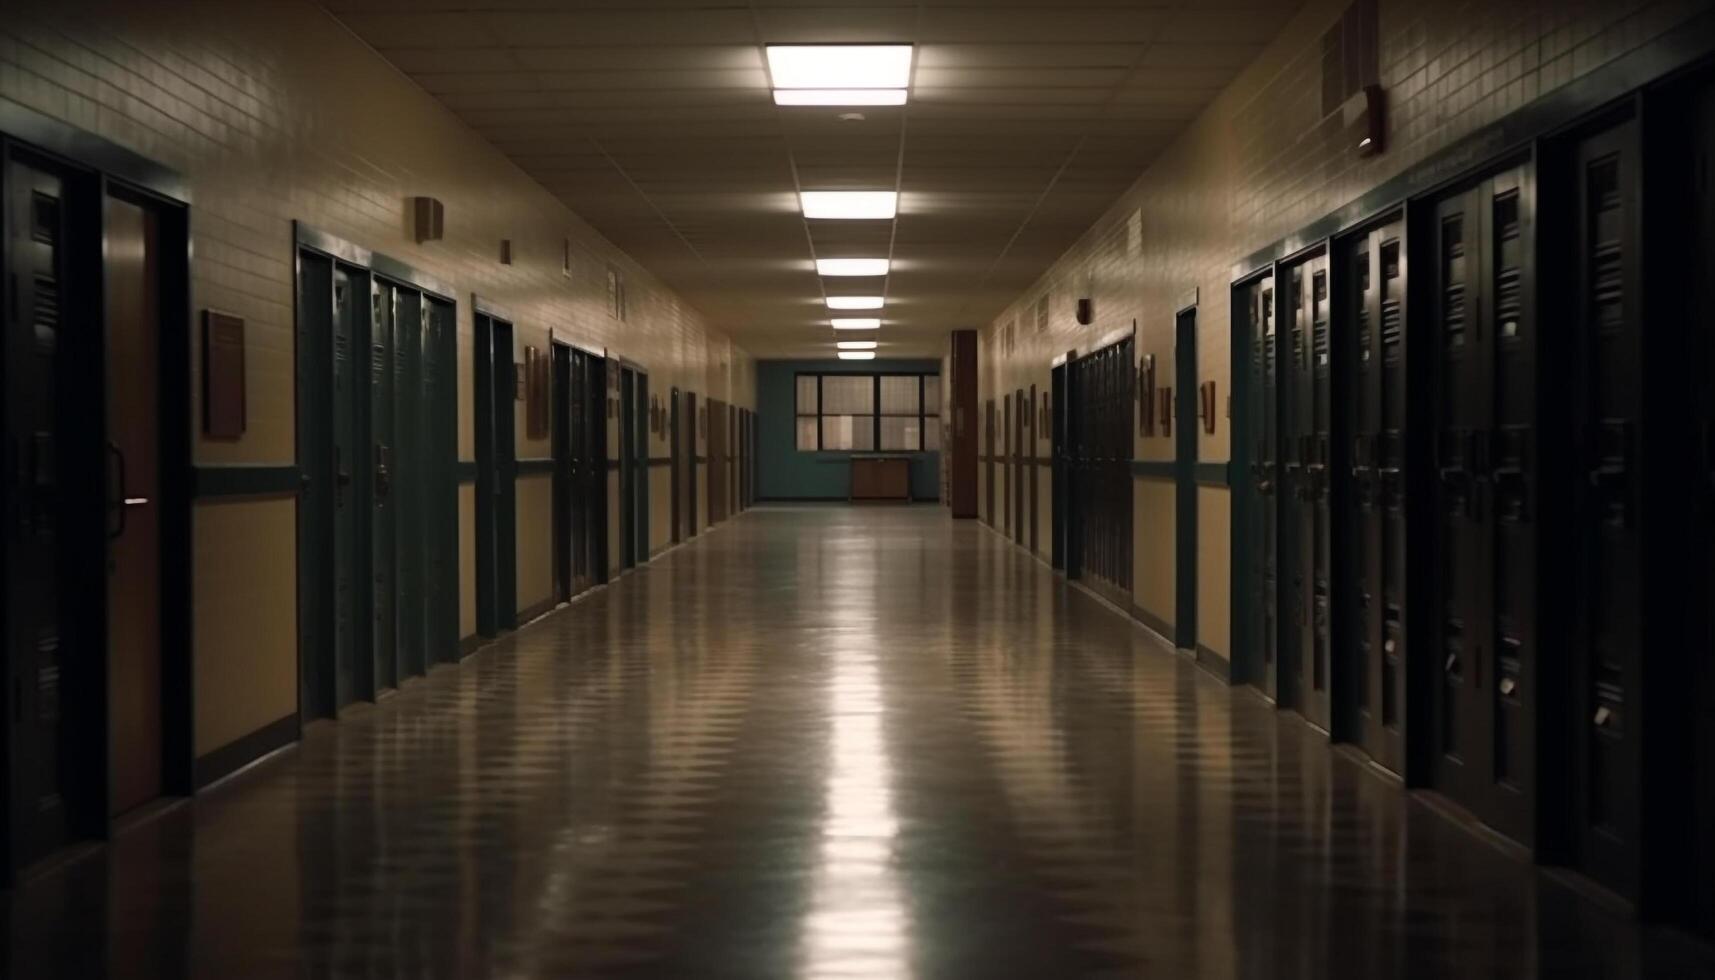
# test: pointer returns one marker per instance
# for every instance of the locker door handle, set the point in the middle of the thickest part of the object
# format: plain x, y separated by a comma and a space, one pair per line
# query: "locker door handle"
383, 479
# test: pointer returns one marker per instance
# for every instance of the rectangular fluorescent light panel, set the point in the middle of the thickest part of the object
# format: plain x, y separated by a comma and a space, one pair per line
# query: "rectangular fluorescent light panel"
857, 355
849, 204
839, 66
856, 323
854, 302
852, 267
839, 96
855, 344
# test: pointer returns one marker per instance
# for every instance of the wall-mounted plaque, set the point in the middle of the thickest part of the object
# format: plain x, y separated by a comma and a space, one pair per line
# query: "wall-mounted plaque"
518, 381
223, 397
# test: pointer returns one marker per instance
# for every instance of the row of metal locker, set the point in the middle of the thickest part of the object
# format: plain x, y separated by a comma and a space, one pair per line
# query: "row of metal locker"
1472, 463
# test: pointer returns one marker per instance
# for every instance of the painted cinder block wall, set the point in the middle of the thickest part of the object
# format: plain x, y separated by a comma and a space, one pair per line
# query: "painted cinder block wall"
1260, 163
273, 113
784, 473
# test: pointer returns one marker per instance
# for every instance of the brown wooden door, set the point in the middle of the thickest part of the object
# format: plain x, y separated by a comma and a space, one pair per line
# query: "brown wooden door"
134, 555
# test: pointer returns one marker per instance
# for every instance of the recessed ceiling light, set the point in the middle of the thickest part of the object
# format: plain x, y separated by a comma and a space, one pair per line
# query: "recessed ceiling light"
854, 302
857, 355
855, 344
834, 66
849, 204
852, 267
839, 96
856, 323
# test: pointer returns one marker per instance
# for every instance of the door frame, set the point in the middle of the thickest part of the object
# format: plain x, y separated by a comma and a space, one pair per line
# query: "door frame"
1186, 439
97, 170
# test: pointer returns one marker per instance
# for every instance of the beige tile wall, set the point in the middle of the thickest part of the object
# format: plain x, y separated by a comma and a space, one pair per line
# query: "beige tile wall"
1261, 163
274, 112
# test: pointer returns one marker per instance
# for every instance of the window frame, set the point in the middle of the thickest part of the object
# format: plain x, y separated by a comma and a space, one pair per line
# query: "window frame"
924, 415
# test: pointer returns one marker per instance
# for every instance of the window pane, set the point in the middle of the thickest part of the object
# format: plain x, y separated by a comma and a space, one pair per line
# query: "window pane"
899, 432
932, 433
899, 396
932, 395
806, 432
848, 394
849, 432
806, 394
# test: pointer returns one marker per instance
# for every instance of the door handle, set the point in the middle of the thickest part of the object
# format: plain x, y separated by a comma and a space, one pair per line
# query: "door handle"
118, 506
383, 479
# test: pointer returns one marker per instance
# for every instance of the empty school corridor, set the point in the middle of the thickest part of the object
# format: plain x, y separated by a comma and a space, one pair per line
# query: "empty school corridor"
822, 742
857, 488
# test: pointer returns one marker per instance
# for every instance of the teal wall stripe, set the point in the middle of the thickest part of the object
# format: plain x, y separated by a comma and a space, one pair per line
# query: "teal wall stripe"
532, 466
1158, 468
466, 470
1212, 475
245, 481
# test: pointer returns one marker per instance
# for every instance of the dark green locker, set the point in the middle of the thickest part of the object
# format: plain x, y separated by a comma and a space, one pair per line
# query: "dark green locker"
40, 642
1481, 638
640, 463
382, 371
1262, 430
1605, 602
410, 480
988, 461
1306, 552
676, 467
441, 507
352, 680
1186, 395
1372, 363
628, 556
564, 473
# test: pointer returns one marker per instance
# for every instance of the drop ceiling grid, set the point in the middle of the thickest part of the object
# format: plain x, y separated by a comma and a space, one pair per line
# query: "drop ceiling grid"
653, 121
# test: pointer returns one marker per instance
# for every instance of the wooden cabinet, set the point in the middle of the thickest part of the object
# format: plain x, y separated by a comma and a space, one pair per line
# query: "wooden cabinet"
881, 478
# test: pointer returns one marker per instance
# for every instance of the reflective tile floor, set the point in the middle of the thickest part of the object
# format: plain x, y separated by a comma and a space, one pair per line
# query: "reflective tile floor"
819, 742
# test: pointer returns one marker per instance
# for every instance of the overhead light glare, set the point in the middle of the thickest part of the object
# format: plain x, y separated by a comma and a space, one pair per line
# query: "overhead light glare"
854, 302
855, 344
852, 267
849, 204
856, 323
857, 355
839, 96
837, 66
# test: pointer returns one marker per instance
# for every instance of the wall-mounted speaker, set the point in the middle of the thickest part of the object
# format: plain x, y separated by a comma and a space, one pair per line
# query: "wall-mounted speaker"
428, 219
1085, 312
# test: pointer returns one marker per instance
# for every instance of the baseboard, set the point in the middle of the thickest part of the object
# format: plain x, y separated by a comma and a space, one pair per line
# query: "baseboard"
235, 755
536, 611
469, 645
1214, 663
1156, 624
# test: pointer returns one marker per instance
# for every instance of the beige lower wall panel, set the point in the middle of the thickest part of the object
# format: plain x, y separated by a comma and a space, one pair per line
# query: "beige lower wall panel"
660, 507
1214, 569
467, 560
1153, 536
244, 618
535, 538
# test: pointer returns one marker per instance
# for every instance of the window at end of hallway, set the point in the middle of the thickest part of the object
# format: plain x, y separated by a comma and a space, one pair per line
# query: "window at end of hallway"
868, 412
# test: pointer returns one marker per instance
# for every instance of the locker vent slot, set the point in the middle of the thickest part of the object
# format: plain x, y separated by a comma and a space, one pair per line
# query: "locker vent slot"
1607, 273
1453, 282
1508, 273
44, 218
45, 313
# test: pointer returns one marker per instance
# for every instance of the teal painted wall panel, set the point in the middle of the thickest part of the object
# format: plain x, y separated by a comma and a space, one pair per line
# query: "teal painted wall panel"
784, 473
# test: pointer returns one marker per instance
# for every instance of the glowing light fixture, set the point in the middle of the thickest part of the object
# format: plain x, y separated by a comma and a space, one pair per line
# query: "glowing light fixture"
839, 96
856, 323
857, 355
854, 302
849, 204
852, 267
855, 344
834, 66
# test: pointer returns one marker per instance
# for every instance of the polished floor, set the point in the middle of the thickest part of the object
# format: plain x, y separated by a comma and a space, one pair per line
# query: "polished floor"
819, 742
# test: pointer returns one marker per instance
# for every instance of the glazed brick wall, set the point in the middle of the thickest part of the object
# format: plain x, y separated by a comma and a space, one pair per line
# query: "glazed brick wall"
1262, 162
